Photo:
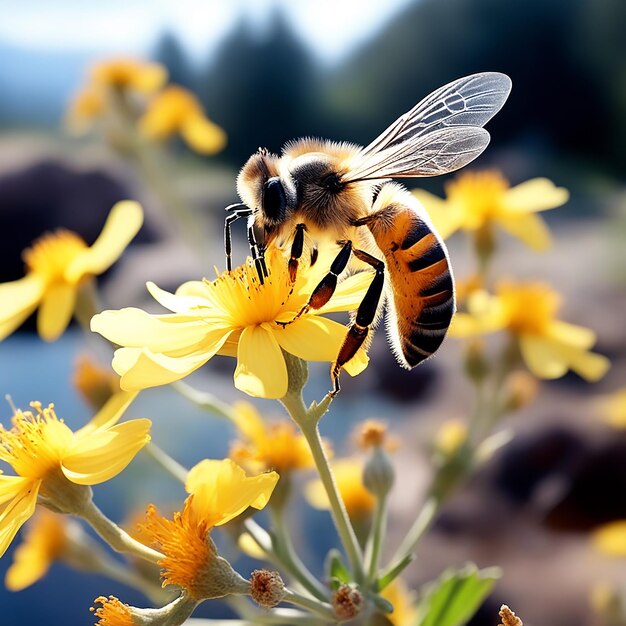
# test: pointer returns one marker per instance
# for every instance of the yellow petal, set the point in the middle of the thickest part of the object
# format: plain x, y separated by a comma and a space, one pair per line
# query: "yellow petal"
103, 454
55, 311
140, 368
11, 486
529, 228
312, 338
203, 135
134, 328
349, 293
261, 371
538, 194
249, 422
14, 513
589, 365
445, 216
571, 334
18, 299
110, 413
222, 490
611, 538
123, 223
541, 358
178, 303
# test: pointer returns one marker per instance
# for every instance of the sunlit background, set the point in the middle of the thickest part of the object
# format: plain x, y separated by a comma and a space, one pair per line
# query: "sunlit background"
270, 71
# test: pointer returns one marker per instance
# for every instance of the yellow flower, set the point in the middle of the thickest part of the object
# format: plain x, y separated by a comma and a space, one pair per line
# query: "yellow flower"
349, 477
57, 266
403, 602
276, 446
127, 73
112, 612
45, 541
219, 492
450, 436
235, 316
87, 105
51, 460
611, 538
176, 110
96, 384
548, 346
479, 200
612, 408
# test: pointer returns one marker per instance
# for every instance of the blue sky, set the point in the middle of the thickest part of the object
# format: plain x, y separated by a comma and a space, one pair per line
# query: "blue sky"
330, 27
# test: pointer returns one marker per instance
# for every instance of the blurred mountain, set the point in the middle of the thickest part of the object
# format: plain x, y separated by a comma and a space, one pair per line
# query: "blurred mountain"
36, 84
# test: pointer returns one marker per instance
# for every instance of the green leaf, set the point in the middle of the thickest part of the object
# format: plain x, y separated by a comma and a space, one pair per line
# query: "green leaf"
454, 598
382, 604
337, 571
394, 572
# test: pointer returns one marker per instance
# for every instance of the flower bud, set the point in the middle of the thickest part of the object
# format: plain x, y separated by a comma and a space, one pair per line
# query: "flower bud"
521, 389
347, 602
266, 588
378, 473
475, 363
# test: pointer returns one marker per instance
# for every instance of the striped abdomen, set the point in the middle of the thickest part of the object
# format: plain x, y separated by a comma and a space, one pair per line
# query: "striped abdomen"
420, 302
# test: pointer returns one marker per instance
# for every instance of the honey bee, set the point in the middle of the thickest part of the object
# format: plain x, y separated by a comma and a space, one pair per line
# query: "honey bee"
339, 191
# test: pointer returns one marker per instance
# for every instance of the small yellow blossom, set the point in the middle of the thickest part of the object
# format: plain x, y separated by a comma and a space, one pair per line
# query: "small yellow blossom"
349, 477
276, 445
237, 316
403, 602
528, 311
87, 105
219, 492
128, 73
450, 436
45, 541
479, 200
612, 408
611, 538
49, 459
176, 110
96, 384
57, 266
112, 612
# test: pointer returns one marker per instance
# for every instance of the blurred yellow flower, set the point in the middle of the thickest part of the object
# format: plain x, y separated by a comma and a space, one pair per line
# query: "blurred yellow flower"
87, 105
348, 474
233, 315
96, 384
127, 73
219, 492
548, 346
403, 602
612, 408
49, 459
479, 200
57, 266
45, 541
450, 436
611, 538
276, 446
176, 110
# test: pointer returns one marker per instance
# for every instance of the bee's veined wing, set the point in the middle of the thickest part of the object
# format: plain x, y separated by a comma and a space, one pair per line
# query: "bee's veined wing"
440, 134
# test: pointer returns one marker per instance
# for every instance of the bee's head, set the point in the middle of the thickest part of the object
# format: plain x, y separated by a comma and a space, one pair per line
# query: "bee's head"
261, 188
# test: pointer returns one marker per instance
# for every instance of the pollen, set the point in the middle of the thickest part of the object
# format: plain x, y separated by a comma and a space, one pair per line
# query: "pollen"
112, 612
52, 254
36, 443
188, 552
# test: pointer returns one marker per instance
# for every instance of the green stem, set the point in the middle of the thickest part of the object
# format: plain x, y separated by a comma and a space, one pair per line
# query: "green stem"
287, 556
170, 465
117, 538
377, 535
308, 424
322, 609
204, 400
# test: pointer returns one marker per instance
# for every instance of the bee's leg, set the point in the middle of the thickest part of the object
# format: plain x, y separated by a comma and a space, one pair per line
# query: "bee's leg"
296, 251
326, 287
365, 315
237, 211
257, 255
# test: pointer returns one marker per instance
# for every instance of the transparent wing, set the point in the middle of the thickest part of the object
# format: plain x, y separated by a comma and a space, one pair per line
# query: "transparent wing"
447, 125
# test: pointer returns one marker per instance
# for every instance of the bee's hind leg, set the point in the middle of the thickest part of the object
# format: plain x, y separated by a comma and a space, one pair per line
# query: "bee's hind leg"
365, 315
297, 247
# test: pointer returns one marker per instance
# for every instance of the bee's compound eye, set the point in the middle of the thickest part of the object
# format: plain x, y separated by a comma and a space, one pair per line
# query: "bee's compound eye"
274, 199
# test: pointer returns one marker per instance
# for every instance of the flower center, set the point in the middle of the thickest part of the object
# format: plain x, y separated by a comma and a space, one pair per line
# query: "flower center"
37, 442
51, 255
478, 194
529, 308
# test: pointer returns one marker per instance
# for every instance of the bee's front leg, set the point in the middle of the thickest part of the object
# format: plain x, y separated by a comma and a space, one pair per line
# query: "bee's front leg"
237, 211
365, 315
